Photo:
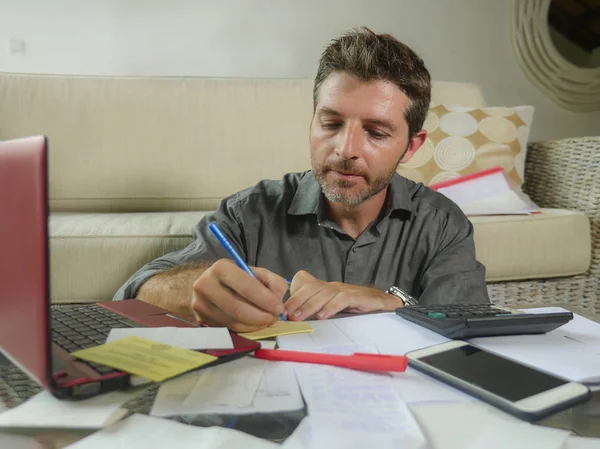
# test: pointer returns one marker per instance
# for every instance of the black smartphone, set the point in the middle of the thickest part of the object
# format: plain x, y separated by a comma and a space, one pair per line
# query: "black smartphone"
525, 392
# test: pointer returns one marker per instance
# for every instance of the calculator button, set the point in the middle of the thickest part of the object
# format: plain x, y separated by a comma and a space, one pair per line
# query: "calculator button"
437, 315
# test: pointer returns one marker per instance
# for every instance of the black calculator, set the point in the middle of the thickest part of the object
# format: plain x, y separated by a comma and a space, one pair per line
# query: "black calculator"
460, 321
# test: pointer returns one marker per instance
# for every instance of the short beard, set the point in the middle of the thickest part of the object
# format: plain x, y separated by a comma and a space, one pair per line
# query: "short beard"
338, 193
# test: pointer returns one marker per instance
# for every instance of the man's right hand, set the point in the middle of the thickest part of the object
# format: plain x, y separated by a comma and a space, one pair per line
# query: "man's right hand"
225, 295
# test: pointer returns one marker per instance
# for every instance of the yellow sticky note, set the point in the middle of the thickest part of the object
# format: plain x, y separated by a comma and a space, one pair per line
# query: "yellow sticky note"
280, 328
146, 358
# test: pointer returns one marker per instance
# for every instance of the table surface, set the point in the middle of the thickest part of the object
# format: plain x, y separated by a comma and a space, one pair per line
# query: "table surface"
583, 420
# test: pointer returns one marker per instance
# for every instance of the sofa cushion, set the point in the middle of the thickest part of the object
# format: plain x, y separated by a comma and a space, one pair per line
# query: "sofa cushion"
92, 255
554, 243
465, 140
166, 144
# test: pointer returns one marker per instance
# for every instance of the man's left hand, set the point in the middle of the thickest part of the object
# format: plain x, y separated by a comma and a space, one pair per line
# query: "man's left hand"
310, 296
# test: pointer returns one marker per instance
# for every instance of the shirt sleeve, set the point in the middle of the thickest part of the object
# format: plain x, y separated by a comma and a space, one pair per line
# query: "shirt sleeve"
454, 275
205, 247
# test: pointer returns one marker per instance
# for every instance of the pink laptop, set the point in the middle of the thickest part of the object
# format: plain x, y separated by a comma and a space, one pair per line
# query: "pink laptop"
34, 336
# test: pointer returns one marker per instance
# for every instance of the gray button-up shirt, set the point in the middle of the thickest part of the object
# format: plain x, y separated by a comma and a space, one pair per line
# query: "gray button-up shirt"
421, 242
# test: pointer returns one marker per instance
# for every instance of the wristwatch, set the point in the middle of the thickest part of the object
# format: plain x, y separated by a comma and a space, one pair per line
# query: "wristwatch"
405, 297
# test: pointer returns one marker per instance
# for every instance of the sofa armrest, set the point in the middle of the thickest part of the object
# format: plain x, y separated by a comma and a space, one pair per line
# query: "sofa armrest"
561, 174
564, 174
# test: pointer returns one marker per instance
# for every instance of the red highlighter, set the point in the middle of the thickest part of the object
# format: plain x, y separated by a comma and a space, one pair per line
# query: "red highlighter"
357, 361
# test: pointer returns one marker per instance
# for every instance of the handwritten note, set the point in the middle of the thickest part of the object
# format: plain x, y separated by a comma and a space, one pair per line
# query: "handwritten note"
280, 328
353, 409
145, 358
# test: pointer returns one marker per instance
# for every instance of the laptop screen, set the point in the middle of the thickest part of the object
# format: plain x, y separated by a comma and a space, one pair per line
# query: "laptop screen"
24, 279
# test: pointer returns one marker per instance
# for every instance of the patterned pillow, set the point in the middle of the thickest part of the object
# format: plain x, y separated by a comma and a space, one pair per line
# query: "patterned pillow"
464, 140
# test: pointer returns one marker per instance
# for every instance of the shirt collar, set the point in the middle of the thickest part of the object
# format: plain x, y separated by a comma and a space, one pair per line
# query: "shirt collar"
308, 198
401, 199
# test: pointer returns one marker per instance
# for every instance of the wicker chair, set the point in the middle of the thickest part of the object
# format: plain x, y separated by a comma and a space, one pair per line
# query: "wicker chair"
562, 174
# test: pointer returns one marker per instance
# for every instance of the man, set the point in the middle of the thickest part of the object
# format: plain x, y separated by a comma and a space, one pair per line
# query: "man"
347, 230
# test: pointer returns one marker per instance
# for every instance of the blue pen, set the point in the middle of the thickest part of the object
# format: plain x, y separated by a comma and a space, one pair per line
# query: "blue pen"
214, 227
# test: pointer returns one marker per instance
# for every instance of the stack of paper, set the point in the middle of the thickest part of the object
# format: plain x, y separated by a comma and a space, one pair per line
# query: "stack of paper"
571, 351
489, 192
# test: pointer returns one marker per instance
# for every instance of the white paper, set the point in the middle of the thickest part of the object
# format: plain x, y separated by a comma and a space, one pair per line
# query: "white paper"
477, 189
518, 435
45, 411
579, 328
9, 441
571, 351
233, 383
302, 437
146, 432
492, 194
182, 337
390, 333
476, 425
506, 203
345, 349
352, 409
267, 344
277, 392
574, 442
325, 333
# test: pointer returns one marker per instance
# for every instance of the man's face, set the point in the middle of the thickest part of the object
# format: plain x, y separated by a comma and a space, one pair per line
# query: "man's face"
357, 137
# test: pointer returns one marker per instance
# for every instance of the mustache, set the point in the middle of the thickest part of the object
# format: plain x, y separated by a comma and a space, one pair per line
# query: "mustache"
344, 166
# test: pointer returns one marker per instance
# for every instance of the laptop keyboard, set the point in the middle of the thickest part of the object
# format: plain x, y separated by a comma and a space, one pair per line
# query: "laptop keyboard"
75, 328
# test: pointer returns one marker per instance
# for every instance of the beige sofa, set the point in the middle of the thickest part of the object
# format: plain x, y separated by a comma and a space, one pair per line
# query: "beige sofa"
136, 162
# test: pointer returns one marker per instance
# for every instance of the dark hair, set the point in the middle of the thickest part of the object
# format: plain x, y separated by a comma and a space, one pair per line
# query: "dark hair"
369, 56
